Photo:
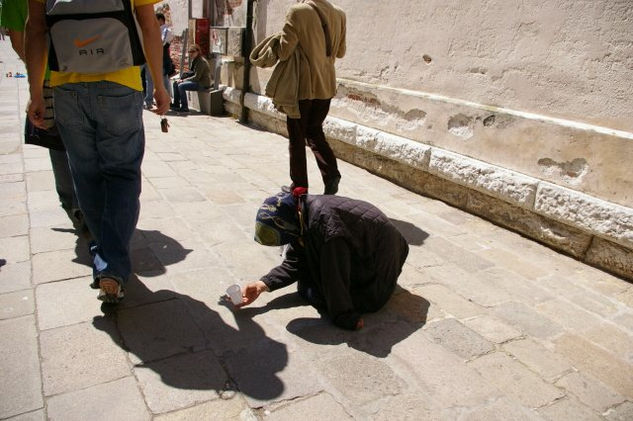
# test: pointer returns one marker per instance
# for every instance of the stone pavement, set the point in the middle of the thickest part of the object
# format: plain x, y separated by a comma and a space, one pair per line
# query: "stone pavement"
487, 325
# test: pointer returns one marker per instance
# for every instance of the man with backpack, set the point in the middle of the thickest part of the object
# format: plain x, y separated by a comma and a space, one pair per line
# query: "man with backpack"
95, 53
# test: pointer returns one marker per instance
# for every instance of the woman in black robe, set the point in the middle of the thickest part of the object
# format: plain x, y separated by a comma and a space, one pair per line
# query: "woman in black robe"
345, 254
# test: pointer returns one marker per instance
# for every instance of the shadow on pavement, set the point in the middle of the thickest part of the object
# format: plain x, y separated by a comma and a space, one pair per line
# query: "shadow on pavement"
152, 251
403, 314
191, 347
414, 235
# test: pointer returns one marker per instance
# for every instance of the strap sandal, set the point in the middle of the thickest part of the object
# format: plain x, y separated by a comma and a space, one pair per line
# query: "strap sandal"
110, 291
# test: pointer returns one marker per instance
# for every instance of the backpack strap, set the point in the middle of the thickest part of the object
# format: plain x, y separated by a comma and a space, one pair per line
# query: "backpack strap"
326, 31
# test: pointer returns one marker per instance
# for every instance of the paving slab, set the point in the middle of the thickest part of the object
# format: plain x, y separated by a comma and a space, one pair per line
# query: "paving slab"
58, 265
622, 412
321, 406
494, 409
590, 391
30, 416
116, 400
612, 337
598, 362
43, 200
278, 377
12, 207
16, 304
458, 338
234, 408
537, 358
14, 225
45, 239
15, 249
513, 378
40, 181
181, 381
52, 217
66, 303
159, 330
15, 276
491, 328
21, 386
448, 301
569, 315
74, 357
527, 320
358, 379
423, 363
568, 409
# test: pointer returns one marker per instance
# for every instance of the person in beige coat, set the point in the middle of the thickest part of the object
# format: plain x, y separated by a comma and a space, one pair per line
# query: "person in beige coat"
317, 27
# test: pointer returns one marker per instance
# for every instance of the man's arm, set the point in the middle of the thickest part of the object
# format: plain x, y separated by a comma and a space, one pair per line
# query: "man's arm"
14, 13
153, 53
17, 42
36, 54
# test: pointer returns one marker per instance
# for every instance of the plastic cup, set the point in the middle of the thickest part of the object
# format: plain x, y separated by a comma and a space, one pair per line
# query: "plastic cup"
235, 293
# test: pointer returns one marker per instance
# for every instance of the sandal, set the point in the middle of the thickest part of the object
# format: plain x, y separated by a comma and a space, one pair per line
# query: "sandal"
110, 291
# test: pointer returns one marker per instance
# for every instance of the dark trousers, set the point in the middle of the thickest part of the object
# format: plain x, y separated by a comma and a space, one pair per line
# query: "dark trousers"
63, 181
309, 130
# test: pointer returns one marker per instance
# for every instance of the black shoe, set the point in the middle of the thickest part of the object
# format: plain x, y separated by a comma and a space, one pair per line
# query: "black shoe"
174, 107
331, 186
183, 110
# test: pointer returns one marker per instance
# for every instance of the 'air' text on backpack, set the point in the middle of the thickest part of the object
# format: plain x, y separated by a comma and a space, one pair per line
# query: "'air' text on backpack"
88, 36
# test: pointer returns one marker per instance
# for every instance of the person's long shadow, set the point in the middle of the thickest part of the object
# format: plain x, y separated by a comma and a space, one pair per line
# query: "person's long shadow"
151, 251
190, 347
403, 314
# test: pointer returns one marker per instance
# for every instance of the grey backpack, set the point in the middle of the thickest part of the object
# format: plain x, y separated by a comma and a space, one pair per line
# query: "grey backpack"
92, 36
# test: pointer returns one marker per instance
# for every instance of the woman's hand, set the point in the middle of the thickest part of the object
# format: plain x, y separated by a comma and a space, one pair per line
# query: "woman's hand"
251, 291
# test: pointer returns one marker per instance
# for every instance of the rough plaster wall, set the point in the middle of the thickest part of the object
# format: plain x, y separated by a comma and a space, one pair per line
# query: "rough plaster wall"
570, 59
565, 58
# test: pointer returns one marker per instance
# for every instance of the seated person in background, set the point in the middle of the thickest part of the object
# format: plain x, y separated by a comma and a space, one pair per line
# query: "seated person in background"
197, 79
345, 254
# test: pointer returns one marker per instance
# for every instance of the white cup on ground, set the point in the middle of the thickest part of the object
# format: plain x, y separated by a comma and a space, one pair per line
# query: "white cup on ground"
235, 293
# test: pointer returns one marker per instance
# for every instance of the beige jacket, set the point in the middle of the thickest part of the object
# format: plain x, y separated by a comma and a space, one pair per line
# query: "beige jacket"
283, 85
317, 77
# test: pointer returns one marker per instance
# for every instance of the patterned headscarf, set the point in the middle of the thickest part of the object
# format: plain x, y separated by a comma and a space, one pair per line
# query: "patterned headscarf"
277, 222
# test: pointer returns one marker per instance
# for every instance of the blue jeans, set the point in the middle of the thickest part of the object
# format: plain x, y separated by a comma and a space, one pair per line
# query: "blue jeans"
149, 86
102, 128
180, 96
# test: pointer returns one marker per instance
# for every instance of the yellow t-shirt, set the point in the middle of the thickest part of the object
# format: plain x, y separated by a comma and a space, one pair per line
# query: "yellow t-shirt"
130, 76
